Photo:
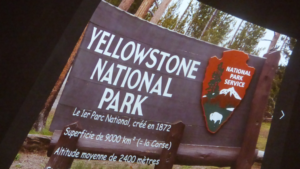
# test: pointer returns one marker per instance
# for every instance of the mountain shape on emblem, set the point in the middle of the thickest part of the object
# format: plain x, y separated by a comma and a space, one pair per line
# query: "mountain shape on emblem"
224, 87
231, 92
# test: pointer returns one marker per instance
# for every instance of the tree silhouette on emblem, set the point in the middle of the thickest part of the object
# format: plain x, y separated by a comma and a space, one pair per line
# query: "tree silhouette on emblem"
213, 89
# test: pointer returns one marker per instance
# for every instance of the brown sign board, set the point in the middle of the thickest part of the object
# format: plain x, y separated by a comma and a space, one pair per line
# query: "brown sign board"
129, 73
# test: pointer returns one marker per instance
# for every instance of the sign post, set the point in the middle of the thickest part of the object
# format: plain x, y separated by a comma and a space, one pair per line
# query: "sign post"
167, 157
259, 104
64, 155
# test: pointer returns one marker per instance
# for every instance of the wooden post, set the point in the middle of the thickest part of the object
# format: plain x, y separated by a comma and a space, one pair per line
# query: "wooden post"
167, 157
259, 102
144, 8
125, 4
66, 143
160, 11
274, 41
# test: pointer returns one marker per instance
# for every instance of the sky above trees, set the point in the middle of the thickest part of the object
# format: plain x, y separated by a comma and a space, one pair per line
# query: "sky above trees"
263, 43
203, 22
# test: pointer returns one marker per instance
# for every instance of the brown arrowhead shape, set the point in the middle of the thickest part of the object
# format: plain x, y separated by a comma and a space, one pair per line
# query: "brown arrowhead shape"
224, 86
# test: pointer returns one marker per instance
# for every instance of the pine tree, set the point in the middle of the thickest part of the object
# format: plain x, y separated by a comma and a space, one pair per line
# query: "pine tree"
236, 31
287, 47
213, 89
200, 19
247, 39
169, 20
219, 29
211, 19
184, 15
181, 25
114, 2
274, 41
152, 10
274, 91
185, 19
213, 25
194, 10
135, 6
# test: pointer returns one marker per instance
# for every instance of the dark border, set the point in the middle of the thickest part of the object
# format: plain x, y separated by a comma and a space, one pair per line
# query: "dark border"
37, 40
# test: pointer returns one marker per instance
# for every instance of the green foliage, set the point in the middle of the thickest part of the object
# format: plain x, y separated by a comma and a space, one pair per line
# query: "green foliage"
114, 2
144, 167
200, 19
181, 23
94, 165
84, 165
292, 42
19, 165
45, 131
276, 84
18, 156
275, 90
153, 9
49, 120
263, 136
180, 26
288, 47
247, 39
135, 6
169, 20
219, 28
81, 165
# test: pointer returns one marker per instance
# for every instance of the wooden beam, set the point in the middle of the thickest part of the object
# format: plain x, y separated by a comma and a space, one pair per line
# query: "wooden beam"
144, 8
160, 11
125, 4
259, 103
167, 157
59, 160
187, 154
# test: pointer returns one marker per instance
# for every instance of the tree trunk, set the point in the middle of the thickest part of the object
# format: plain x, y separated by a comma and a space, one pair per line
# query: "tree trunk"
160, 11
184, 13
283, 44
144, 8
235, 33
274, 41
125, 4
41, 121
209, 23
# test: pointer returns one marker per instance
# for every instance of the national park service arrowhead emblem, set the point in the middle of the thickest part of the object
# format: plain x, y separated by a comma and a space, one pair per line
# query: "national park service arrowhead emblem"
224, 86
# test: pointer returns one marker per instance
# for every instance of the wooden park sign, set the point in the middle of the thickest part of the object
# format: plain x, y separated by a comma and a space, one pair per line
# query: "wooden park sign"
135, 91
